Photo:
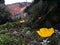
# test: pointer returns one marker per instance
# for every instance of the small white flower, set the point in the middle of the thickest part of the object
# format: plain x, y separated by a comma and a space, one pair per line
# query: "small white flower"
45, 41
56, 31
28, 33
15, 32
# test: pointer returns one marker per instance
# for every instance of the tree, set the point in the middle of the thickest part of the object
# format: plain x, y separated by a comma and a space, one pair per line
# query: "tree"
29, 7
45, 14
4, 14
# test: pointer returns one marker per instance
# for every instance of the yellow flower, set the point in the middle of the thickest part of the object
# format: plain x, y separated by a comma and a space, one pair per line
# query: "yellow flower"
45, 32
22, 21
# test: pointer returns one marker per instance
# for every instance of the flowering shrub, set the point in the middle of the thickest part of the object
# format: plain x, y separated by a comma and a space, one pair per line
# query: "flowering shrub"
11, 35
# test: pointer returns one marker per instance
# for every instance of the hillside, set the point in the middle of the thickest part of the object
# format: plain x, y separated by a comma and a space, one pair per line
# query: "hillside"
16, 7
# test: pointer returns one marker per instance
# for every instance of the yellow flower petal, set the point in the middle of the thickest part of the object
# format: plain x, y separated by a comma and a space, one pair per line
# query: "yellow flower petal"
22, 21
45, 32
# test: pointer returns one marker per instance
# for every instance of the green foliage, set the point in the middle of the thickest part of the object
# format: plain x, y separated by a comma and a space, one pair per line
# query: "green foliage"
48, 12
9, 25
27, 34
35, 10
25, 29
7, 37
4, 14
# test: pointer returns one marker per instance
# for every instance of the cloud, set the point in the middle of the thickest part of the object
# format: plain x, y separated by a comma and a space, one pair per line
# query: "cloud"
14, 1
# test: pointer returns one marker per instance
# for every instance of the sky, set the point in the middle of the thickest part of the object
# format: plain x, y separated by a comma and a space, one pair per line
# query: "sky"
14, 1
